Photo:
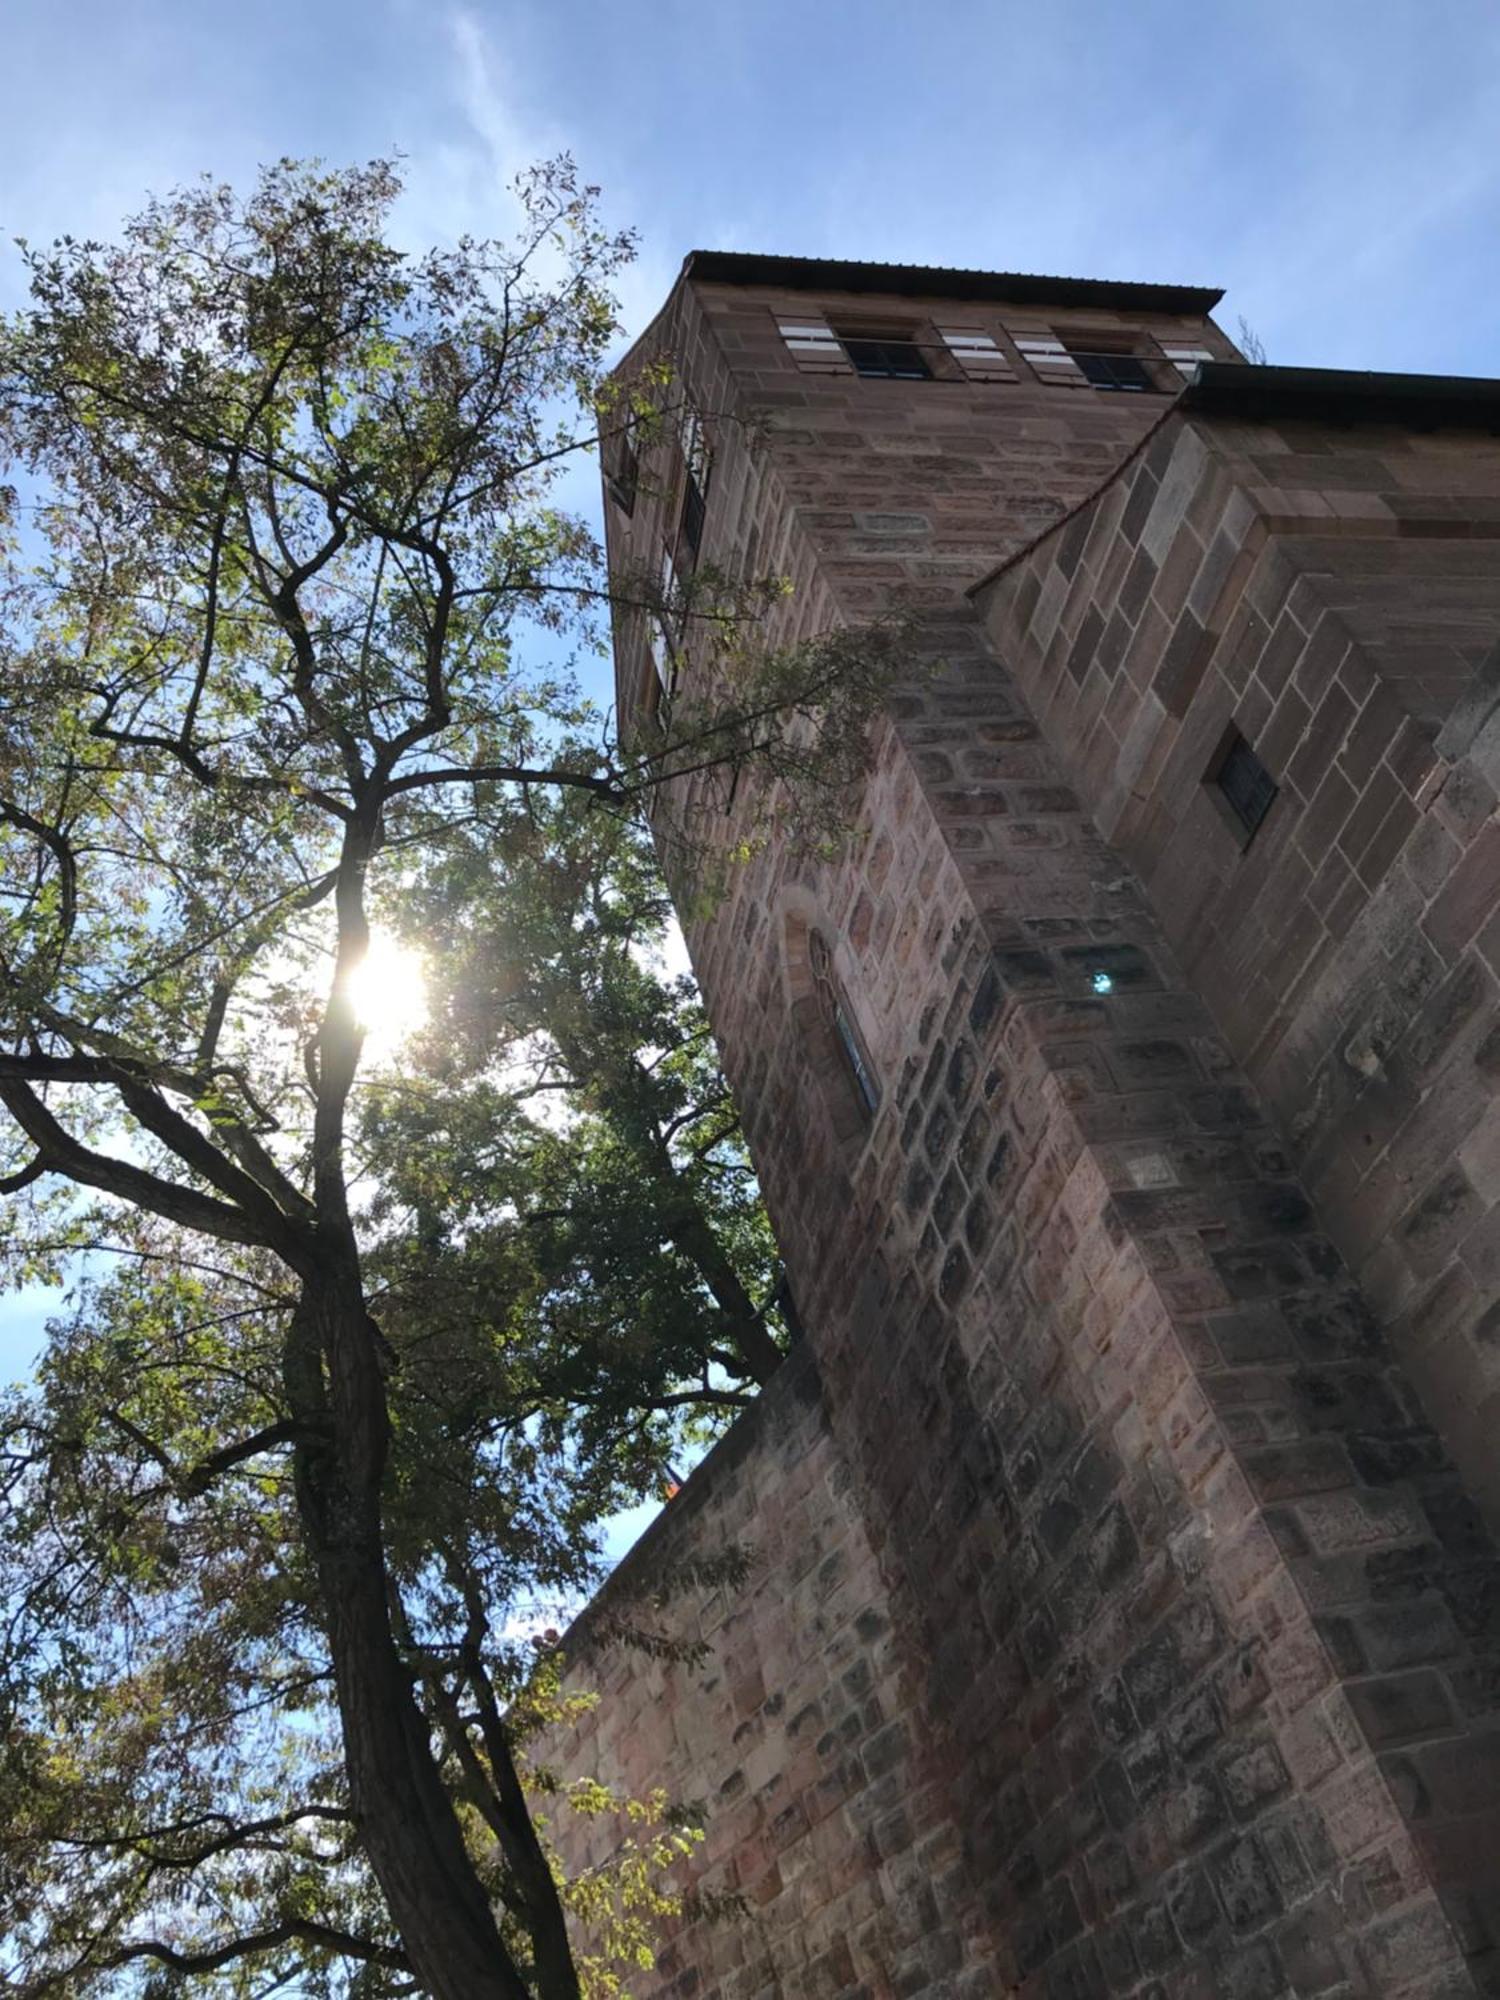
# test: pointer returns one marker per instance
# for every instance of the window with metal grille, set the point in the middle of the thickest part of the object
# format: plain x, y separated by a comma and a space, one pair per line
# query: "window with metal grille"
1247, 787
1114, 371
895, 359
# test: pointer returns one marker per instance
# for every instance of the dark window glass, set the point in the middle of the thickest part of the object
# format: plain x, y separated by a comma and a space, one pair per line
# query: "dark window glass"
897, 360
1114, 371
1246, 784
626, 477
693, 509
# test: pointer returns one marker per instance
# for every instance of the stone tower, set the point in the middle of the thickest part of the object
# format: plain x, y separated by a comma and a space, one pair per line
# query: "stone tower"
1125, 1619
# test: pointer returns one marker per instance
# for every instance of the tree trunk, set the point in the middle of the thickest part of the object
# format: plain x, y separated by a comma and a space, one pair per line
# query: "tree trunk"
407, 1823
743, 1325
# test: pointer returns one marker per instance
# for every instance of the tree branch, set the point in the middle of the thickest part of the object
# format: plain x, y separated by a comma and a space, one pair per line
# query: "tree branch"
323, 1936
68, 1156
13, 1183
227, 1456
201, 1476
232, 1835
514, 774
61, 849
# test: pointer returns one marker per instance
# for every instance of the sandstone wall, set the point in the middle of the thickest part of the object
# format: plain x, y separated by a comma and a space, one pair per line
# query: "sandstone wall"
1336, 595
797, 1739
1191, 1609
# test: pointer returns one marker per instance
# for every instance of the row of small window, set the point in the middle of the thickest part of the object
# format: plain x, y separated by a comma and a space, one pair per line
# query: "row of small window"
689, 473
977, 356
624, 458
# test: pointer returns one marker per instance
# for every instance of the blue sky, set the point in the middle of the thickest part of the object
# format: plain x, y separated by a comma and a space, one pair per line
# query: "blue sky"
1334, 163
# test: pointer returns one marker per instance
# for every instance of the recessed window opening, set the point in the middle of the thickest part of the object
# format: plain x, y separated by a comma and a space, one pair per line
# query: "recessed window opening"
657, 681
1114, 371
625, 479
664, 620
695, 459
858, 1061
836, 1014
660, 686
890, 356
694, 511
1243, 783
669, 588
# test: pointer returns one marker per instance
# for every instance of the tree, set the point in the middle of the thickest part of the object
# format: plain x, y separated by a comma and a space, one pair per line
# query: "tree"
627, 1213
287, 545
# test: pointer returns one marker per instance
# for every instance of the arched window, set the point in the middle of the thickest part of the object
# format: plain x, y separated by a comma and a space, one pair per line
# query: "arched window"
838, 1018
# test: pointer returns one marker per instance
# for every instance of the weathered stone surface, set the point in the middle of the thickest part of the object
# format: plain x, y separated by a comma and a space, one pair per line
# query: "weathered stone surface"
1152, 1305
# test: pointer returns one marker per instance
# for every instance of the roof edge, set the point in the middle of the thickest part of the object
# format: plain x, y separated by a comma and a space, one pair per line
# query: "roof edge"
1343, 395
737, 267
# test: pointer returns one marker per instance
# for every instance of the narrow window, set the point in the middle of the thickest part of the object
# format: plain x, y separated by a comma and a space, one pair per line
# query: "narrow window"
1243, 783
624, 480
835, 1012
694, 509
671, 606
859, 1062
658, 685
695, 459
893, 358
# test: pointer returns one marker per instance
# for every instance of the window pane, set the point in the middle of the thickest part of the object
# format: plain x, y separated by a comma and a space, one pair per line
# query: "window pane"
693, 510
900, 360
1114, 371
1246, 784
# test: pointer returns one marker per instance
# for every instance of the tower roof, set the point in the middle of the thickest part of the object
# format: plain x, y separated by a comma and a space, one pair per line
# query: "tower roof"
739, 267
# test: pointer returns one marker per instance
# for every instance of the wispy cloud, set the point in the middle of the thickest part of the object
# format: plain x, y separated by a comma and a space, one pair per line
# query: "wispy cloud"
465, 181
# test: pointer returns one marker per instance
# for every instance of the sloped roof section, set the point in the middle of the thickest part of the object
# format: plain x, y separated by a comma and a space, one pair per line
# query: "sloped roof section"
837, 274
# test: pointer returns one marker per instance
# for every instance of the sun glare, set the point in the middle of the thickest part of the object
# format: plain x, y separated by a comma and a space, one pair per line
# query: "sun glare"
390, 995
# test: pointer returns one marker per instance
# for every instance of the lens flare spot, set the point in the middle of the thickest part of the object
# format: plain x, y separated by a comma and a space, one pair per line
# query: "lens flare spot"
390, 995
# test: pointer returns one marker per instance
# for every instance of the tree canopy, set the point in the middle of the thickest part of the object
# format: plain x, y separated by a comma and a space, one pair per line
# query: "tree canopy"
352, 1360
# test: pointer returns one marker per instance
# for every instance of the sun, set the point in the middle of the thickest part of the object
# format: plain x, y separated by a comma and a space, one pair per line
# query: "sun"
390, 995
